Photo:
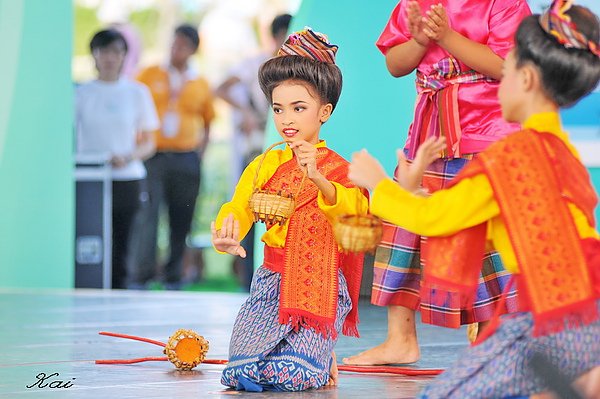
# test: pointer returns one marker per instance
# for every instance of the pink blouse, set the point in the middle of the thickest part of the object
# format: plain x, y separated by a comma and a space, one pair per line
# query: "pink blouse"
490, 22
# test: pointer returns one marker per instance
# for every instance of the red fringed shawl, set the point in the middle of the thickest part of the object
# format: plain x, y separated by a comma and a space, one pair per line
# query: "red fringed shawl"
309, 274
534, 176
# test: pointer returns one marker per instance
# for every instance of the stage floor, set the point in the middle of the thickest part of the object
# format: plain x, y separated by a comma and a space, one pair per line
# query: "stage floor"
57, 332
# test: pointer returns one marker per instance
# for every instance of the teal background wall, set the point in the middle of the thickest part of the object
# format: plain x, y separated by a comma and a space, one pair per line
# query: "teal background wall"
36, 194
595, 172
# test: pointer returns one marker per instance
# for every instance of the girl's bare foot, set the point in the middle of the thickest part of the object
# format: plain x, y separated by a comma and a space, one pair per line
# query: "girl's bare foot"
400, 351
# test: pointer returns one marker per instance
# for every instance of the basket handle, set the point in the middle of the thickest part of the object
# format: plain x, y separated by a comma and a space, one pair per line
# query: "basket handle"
264, 155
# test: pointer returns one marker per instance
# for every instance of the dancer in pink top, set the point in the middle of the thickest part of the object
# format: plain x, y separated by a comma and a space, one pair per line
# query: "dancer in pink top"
457, 48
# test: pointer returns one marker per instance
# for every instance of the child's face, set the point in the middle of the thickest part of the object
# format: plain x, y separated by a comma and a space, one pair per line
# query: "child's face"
109, 59
510, 90
298, 113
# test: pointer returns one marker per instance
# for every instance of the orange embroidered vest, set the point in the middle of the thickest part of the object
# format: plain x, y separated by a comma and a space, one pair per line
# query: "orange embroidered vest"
309, 273
533, 177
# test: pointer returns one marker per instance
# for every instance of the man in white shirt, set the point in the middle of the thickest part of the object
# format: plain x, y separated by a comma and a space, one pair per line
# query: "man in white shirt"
116, 116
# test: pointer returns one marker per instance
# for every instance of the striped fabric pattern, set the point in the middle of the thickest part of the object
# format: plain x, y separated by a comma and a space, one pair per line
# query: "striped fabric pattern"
397, 271
310, 44
556, 22
437, 106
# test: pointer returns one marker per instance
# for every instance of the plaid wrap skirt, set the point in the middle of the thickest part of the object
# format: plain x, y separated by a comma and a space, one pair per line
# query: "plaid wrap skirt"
397, 269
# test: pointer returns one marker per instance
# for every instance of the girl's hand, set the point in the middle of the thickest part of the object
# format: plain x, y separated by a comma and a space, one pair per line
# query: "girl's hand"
306, 155
436, 25
416, 23
226, 238
410, 176
365, 171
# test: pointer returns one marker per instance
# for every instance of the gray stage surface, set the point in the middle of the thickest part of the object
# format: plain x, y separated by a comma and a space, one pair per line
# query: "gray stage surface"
57, 332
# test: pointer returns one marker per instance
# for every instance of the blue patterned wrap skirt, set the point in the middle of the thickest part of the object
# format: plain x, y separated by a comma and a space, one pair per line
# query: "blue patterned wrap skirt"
265, 355
499, 367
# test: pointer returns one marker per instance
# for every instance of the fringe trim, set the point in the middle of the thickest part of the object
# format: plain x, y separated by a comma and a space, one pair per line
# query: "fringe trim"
301, 318
350, 329
570, 317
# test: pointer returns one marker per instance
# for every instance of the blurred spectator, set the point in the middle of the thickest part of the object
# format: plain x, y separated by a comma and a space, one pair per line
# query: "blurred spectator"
116, 116
250, 111
184, 103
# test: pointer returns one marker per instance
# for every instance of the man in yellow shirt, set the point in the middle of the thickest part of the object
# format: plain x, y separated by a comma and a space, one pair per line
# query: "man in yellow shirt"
185, 106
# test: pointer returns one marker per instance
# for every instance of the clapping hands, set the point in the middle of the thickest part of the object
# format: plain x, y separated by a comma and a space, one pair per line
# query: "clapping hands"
416, 23
436, 23
433, 26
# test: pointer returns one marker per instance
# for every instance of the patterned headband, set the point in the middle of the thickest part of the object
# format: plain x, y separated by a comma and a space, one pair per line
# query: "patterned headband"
556, 22
310, 44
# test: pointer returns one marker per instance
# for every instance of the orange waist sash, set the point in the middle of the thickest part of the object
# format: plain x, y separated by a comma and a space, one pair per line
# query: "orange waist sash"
274, 258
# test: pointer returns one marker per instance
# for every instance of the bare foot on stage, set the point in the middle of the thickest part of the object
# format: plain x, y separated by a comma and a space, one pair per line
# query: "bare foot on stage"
398, 352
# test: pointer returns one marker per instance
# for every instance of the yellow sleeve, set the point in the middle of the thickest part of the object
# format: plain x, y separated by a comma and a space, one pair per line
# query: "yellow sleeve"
347, 201
581, 222
445, 212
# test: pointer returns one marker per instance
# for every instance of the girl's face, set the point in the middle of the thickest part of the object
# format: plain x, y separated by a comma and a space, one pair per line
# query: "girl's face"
510, 91
298, 112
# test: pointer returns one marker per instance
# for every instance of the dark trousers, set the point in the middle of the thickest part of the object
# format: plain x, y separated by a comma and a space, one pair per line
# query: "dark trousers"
125, 205
174, 180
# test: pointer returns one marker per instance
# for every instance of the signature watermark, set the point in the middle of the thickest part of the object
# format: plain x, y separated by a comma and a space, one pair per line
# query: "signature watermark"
51, 381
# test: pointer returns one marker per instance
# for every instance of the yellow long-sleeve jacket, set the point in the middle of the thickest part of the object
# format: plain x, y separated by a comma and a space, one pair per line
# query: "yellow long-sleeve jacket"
348, 200
467, 204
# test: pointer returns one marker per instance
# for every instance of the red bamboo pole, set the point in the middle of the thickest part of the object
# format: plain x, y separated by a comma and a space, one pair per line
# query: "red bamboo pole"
390, 370
148, 340
352, 369
131, 361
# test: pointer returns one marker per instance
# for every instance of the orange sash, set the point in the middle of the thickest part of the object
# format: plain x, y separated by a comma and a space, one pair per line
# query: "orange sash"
533, 177
309, 276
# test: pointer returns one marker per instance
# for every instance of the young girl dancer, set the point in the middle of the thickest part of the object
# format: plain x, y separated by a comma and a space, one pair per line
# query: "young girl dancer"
306, 291
457, 48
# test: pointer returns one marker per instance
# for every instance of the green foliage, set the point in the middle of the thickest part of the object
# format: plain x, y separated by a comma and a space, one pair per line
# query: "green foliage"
85, 25
146, 22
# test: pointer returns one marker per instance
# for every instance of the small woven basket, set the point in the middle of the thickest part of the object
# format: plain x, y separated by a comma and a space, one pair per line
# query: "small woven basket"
186, 349
358, 233
272, 207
